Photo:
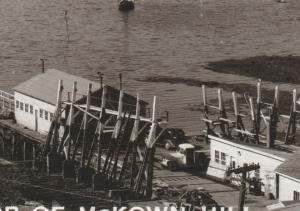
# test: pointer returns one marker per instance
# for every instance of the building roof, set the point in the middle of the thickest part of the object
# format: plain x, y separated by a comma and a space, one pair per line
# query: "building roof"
280, 151
44, 86
285, 206
291, 167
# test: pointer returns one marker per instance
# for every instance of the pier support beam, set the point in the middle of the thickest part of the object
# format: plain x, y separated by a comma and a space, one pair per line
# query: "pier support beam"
85, 173
69, 164
98, 182
24, 149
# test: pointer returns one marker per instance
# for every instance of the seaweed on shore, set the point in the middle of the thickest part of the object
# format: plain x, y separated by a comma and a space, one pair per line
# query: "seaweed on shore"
268, 68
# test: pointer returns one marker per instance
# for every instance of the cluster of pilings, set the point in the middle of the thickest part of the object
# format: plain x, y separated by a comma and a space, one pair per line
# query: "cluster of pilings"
108, 149
264, 118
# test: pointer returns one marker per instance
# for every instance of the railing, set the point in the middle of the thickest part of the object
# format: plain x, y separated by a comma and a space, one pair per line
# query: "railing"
7, 102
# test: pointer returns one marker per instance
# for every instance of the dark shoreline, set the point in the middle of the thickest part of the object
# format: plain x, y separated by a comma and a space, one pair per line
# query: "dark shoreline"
276, 69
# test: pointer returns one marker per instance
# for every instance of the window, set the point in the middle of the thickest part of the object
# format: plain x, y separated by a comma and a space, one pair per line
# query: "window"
41, 113
296, 195
26, 107
51, 117
17, 104
223, 158
31, 109
46, 115
21, 106
217, 156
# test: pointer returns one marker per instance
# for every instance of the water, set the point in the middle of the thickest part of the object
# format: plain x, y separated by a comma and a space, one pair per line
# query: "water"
160, 38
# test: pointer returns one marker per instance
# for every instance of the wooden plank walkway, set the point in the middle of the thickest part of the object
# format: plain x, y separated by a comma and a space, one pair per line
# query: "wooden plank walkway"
30, 134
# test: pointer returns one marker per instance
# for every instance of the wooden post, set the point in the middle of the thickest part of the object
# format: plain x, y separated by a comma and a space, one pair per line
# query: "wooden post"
85, 125
13, 142
243, 170
115, 136
85, 173
243, 190
273, 119
100, 128
204, 95
24, 149
149, 152
220, 99
58, 115
132, 144
33, 156
208, 130
71, 119
291, 131
238, 119
224, 125
98, 180
258, 117
235, 106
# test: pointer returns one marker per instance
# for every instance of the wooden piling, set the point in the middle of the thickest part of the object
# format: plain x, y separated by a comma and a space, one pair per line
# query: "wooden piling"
24, 149
71, 119
291, 131
258, 115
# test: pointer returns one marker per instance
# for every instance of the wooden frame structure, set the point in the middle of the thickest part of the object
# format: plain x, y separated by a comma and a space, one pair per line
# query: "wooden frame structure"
263, 115
123, 159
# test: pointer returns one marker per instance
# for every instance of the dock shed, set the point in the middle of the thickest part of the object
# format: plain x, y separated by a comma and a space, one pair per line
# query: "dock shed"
35, 99
288, 177
226, 154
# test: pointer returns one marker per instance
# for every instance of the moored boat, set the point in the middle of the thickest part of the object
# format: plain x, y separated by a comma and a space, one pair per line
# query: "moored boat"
126, 5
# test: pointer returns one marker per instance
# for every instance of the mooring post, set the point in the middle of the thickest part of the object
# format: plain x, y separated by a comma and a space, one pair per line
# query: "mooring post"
85, 173
98, 179
69, 164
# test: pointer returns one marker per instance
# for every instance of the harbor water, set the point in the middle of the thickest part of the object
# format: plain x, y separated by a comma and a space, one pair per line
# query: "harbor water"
160, 38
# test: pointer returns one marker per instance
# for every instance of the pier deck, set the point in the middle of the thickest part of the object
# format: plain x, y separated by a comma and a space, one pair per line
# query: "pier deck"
30, 134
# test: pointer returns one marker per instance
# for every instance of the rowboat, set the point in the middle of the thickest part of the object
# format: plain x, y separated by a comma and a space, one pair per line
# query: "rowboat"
126, 5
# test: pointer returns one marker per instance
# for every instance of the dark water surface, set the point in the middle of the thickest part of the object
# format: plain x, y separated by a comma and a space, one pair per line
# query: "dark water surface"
160, 38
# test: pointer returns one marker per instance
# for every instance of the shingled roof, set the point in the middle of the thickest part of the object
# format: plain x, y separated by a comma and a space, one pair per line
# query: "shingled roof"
290, 167
44, 86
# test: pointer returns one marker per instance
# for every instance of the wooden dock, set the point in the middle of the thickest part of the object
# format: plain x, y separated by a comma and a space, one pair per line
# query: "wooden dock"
30, 134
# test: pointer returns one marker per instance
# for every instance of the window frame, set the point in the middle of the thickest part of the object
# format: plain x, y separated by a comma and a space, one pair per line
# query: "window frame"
296, 195
46, 115
21, 106
217, 156
223, 155
26, 107
31, 109
41, 113
17, 104
51, 116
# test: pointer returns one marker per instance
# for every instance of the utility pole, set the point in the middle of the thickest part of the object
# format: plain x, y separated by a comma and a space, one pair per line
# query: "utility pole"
243, 170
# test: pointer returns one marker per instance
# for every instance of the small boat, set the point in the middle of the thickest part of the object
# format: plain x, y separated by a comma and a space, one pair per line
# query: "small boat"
126, 5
